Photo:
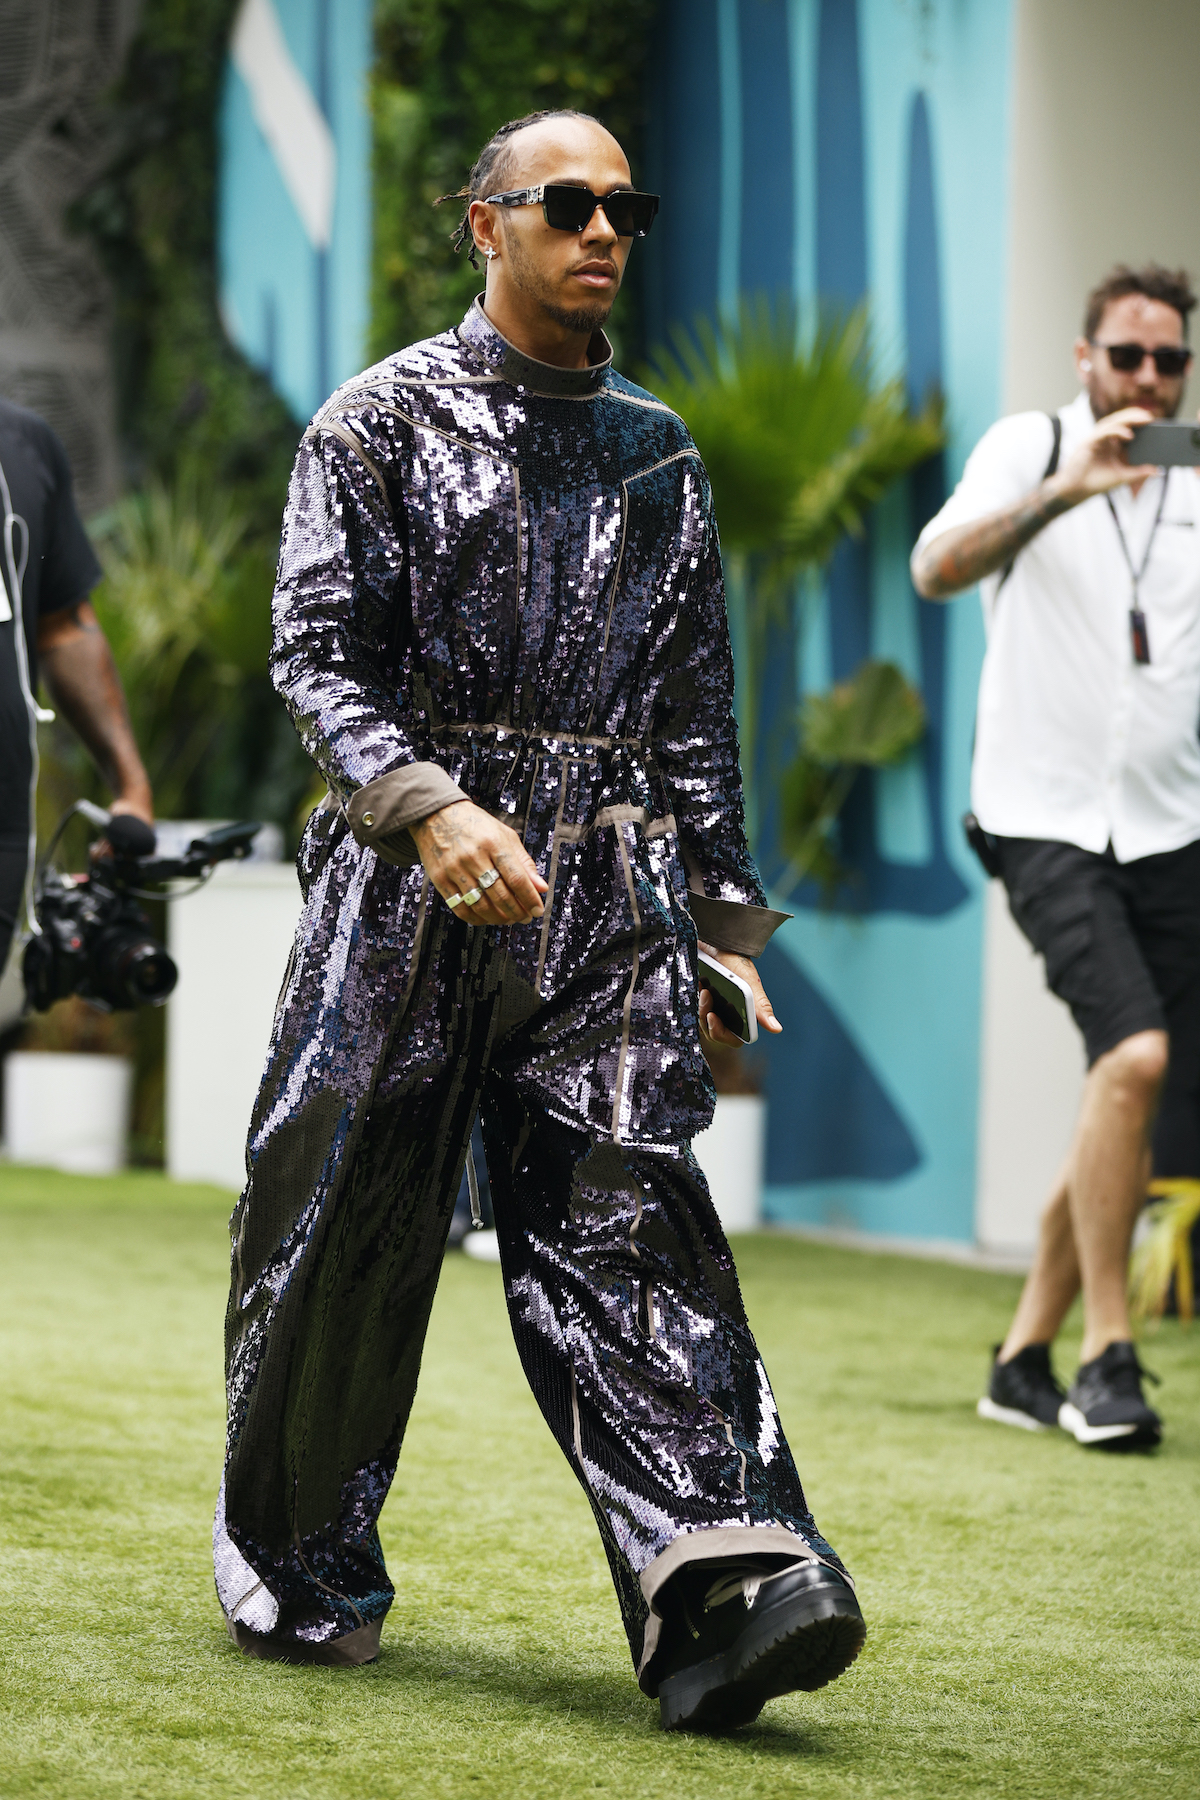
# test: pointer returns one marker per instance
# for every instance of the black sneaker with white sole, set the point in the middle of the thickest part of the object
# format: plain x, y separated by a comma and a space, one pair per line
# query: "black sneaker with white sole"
1105, 1408
1023, 1391
751, 1635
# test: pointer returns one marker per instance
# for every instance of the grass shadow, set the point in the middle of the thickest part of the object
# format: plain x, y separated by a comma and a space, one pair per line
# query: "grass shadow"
607, 1698
447, 1670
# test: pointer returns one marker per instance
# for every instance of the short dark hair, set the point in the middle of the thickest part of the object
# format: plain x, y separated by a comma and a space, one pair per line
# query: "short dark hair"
491, 168
1172, 286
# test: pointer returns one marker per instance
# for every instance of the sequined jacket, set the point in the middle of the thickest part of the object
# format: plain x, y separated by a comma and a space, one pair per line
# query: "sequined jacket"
502, 580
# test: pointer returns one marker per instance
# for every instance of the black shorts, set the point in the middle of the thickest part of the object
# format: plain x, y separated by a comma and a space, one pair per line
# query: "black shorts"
1121, 945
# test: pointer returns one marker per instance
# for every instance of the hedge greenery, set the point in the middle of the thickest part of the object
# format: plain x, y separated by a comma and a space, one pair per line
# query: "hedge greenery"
185, 393
196, 420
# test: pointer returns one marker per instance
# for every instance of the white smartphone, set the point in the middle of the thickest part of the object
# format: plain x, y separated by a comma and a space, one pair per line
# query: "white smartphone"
733, 1001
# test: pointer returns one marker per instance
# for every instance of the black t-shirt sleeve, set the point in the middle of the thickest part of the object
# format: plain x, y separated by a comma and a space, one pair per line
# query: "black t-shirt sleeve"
70, 570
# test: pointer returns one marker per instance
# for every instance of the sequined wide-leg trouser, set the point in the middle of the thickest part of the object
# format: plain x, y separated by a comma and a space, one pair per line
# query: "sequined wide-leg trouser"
623, 1298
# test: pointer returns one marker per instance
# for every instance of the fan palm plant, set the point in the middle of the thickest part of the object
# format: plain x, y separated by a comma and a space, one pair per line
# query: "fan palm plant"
185, 603
801, 435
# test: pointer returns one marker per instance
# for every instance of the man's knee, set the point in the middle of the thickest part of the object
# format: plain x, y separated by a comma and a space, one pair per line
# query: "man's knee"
1136, 1065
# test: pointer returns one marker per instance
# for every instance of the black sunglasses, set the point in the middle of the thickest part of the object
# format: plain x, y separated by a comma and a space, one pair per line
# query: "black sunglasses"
1125, 358
570, 208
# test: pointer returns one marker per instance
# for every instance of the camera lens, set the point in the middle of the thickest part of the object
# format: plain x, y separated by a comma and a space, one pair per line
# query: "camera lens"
133, 970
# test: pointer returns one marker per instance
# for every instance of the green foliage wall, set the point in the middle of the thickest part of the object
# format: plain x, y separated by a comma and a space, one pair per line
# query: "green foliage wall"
447, 73
185, 393
196, 420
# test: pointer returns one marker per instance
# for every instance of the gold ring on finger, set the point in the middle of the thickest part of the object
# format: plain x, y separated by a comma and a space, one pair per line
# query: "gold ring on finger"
472, 897
488, 879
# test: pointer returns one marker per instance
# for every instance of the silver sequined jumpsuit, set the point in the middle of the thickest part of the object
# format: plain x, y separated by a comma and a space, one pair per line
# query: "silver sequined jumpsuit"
499, 580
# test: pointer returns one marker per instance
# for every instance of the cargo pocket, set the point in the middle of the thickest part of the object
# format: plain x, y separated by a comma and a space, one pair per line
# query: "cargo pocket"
1053, 901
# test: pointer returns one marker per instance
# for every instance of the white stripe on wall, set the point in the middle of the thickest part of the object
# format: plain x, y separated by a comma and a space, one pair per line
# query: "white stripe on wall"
288, 117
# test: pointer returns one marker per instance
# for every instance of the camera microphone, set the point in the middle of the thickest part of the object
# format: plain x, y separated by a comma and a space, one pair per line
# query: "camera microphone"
128, 835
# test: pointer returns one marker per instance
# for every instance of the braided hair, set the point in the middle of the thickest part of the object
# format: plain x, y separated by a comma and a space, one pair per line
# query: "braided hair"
490, 171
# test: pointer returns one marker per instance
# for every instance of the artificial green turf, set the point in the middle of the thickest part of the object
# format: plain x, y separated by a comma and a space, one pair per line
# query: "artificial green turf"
1033, 1608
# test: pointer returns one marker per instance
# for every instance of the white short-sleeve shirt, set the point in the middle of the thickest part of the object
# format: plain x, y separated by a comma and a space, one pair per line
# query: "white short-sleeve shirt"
1074, 740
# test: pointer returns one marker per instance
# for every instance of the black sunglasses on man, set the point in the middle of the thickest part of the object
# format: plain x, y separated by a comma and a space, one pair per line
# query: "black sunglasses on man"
1170, 360
567, 208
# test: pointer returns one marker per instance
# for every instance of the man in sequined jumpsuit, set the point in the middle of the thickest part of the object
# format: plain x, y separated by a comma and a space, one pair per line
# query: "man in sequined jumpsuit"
500, 628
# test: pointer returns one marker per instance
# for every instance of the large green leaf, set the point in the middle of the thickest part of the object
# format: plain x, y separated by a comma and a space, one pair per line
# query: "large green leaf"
868, 721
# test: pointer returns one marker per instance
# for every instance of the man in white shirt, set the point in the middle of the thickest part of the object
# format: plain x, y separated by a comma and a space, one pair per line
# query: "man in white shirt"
1086, 786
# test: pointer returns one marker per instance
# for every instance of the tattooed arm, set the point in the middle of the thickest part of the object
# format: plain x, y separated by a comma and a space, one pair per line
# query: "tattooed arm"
79, 670
958, 558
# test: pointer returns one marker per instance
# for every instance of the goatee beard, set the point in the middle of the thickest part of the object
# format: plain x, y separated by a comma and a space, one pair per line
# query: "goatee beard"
578, 318
526, 275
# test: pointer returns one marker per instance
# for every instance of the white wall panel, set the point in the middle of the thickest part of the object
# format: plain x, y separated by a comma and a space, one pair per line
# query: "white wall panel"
1031, 1076
1103, 170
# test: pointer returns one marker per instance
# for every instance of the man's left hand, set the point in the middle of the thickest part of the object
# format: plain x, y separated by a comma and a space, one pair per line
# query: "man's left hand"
711, 1027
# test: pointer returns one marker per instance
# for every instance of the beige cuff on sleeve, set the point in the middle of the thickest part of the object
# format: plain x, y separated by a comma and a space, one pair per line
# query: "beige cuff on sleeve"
381, 812
732, 925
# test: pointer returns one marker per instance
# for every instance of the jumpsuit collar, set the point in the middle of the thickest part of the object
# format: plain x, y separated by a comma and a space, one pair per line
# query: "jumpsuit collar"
523, 371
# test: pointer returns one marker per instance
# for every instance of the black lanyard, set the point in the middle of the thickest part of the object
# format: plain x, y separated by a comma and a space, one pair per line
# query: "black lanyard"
1138, 634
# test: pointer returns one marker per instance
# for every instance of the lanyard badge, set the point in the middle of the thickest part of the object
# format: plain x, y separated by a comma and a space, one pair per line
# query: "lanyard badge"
1139, 636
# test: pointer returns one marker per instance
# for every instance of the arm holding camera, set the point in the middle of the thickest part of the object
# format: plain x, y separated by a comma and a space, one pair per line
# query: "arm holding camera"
959, 558
79, 670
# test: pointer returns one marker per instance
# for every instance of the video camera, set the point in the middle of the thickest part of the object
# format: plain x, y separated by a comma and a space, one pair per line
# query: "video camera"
93, 939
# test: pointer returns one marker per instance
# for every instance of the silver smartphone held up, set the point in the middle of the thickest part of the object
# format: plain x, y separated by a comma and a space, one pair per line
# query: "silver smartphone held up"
733, 1002
1168, 444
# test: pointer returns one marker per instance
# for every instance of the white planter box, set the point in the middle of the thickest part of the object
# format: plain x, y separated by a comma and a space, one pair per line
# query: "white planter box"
231, 941
731, 1154
67, 1111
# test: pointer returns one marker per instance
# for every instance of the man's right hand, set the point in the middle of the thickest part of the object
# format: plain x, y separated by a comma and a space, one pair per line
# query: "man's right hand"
1099, 464
960, 557
462, 842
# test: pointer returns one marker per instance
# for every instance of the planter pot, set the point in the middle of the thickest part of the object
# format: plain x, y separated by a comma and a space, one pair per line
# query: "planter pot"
67, 1112
231, 942
731, 1154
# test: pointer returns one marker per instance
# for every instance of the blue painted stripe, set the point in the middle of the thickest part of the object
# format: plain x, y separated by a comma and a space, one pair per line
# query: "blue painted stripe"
729, 64
802, 62
768, 210
685, 167
841, 195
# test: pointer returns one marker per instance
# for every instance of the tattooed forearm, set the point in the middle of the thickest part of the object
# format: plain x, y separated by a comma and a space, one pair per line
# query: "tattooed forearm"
961, 557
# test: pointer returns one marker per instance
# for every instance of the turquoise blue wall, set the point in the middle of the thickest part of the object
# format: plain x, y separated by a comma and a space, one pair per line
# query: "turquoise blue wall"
858, 150
300, 313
